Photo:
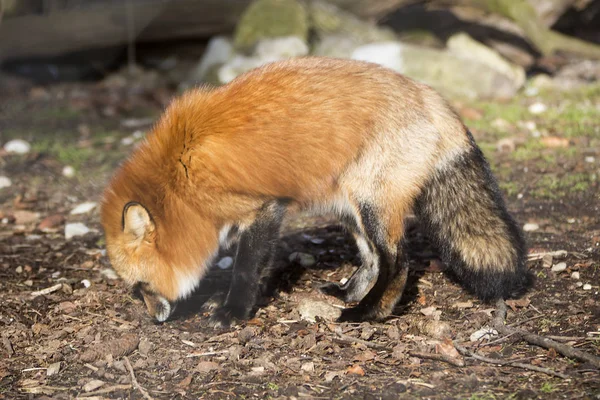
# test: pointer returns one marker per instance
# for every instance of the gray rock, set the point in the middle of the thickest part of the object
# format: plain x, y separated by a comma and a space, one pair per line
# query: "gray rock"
267, 50
265, 19
448, 73
5, 182
561, 266
17, 146
218, 52
309, 309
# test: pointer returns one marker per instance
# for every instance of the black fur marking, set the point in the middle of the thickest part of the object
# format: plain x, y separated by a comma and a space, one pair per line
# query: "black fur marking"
255, 251
370, 306
462, 201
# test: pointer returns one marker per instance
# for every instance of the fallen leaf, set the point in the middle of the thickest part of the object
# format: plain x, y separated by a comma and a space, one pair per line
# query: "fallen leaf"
366, 355
207, 366
355, 370
464, 304
92, 385
24, 217
520, 303
447, 349
185, 382
51, 222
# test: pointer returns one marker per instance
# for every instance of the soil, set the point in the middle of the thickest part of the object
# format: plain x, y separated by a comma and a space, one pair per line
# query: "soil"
80, 339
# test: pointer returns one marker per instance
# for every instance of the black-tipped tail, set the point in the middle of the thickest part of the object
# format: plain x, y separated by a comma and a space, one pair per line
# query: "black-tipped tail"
462, 210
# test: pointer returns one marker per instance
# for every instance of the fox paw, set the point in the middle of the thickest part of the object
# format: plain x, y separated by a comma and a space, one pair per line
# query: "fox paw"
339, 291
358, 314
226, 317
214, 302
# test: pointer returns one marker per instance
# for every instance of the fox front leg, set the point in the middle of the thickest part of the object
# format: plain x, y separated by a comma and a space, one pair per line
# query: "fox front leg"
255, 252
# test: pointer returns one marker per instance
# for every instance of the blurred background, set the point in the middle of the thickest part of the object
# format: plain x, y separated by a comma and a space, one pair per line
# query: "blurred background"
470, 48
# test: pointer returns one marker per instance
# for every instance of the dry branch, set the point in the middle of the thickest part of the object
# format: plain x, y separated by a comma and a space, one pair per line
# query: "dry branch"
457, 362
134, 381
538, 340
496, 361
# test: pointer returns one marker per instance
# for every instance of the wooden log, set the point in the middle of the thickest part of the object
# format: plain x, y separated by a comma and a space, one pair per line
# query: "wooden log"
96, 25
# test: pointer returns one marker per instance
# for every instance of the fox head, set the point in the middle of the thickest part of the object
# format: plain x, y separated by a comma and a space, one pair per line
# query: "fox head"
163, 260
132, 249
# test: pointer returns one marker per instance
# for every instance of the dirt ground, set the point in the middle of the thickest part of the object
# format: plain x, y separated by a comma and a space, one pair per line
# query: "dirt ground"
88, 335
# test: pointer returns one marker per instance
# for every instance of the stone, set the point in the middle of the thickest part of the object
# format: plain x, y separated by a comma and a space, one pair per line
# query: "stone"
310, 309
84, 208
75, 229
17, 146
265, 19
5, 182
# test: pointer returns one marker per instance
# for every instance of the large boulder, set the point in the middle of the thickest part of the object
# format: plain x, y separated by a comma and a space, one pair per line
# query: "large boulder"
451, 74
265, 19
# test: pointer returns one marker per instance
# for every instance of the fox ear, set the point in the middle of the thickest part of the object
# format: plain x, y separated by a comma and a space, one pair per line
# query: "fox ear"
137, 220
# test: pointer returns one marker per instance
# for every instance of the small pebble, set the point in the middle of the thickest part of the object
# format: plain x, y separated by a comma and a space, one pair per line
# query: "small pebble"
5, 182
304, 259
28, 282
587, 286
68, 171
590, 159
561, 266
575, 275
53, 369
225, 262
579, 284
17, 146
86, 283
530, 227
55, 274
537, 108
19, 269
92, 385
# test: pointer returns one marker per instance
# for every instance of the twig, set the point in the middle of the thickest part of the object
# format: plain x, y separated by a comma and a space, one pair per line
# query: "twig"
134, 381
347, 339
538, 340
438, 357
106, 390
496, 361
209, 353
49, 290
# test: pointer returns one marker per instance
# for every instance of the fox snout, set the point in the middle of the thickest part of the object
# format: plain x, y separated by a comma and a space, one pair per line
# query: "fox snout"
158, 307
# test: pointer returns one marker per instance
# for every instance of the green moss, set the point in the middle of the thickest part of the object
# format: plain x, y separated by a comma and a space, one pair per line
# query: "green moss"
67, 154
552, 186
269, 19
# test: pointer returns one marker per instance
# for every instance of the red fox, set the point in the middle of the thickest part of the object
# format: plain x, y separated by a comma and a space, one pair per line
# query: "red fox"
315, 134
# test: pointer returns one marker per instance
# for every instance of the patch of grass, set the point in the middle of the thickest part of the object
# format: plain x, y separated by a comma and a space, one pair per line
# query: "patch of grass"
272, 386
483, 396
57, 113
547, 387
66, 153
552, 186
511, 188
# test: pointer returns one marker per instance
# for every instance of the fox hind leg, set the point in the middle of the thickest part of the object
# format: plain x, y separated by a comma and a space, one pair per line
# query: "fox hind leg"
361, 280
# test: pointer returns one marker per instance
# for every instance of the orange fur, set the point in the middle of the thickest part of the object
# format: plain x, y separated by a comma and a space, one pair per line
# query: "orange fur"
302, 130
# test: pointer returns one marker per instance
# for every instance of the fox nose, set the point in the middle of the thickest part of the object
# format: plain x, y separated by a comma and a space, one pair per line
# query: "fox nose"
163, 310
159, 307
